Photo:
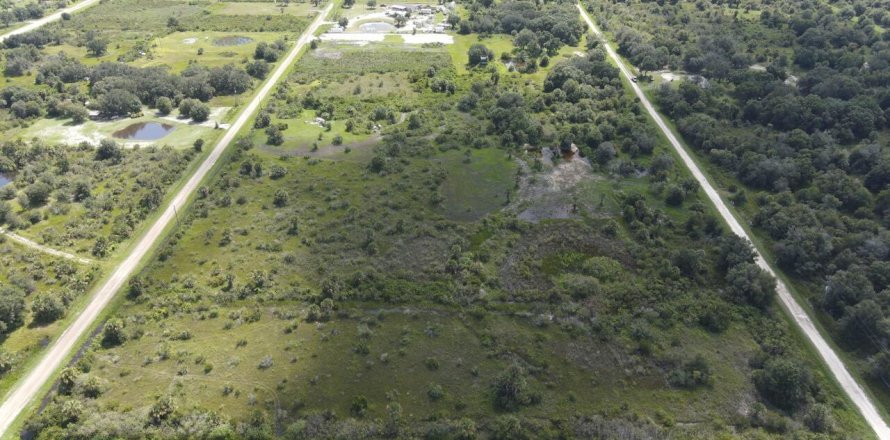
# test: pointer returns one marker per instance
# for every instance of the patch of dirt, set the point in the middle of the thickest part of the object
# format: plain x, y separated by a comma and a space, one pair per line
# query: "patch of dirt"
551, 194
667, 75
189, 41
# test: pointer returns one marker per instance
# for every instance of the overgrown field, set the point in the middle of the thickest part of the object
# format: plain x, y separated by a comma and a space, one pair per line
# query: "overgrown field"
450, 255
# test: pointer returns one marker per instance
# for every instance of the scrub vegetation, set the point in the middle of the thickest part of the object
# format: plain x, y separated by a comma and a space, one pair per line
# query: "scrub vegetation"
73, 93
414, 243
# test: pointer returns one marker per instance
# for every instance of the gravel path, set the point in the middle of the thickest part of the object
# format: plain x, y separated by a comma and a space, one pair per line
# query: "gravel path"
45, 249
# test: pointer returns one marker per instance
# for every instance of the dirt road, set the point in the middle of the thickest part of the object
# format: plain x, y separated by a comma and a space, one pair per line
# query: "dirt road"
835, 365
48, 19
45, 249
28, 387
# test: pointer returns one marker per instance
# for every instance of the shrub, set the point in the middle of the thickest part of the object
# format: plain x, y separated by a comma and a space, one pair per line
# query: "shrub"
748, 283
359, 407
200, 112
435, 391
164, 105
511, 389
265, 363
785, 382
113, 333
47, 308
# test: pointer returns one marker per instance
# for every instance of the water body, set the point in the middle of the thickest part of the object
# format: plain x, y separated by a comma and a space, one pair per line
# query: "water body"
377, 26
144, 131
232, 40
5, 180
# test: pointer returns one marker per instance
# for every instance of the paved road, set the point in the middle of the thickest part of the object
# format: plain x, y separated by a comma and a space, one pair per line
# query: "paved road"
840, 372
48, 19
27, 388
47, 250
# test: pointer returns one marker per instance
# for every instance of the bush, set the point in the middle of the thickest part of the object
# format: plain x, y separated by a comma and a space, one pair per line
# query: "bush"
435, 391
200, 112
164, 105
109, 150
113, 333
748, 283
12, 309
281, 197
265, 363
479, 54
47, 308
692, 373
511, 389
359, 407
38, 194
785, 382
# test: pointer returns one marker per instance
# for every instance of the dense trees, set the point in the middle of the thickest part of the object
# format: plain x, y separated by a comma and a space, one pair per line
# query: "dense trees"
801, 129
117, 89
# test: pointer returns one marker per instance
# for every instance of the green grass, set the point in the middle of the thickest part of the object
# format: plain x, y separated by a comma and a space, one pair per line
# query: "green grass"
59, 131
496, 43
178, 49
478, 182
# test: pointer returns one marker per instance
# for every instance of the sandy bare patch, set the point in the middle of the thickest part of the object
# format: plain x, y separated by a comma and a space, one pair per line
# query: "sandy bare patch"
358, 36
216, 115
368, 37
428, 38
667, 75
189, 41
551, 194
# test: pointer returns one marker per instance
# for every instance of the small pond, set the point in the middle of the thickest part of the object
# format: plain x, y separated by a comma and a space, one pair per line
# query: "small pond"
144, 131
5, 179
232, 40
377, 26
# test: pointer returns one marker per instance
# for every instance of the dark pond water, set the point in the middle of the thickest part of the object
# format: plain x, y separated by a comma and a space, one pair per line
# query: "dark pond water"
144, 131
232, 40
4, 179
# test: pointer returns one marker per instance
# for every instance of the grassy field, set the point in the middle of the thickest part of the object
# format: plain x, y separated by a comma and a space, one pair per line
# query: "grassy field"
178, 49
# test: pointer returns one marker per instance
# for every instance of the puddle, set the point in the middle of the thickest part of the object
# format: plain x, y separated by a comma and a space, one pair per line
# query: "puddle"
144, 131
232, 40
5, 179
377, 26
